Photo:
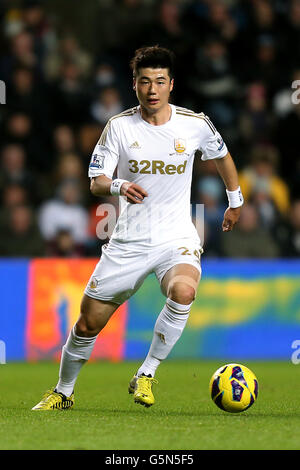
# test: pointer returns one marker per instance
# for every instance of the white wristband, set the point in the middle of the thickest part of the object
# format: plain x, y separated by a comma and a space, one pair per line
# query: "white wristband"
235, 198
115, 187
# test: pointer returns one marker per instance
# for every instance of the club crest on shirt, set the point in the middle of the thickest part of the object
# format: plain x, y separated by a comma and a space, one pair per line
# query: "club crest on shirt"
97, 161
179, 145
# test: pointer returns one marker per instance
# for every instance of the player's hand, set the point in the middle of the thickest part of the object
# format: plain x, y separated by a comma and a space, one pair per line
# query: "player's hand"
134, 193
231, 217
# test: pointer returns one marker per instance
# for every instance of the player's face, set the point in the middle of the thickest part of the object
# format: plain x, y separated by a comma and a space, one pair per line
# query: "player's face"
153, 88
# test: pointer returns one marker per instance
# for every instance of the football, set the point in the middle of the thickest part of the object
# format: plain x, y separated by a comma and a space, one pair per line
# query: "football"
233, 388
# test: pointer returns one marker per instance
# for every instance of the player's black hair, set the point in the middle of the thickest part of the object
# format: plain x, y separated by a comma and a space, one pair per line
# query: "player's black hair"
154, 57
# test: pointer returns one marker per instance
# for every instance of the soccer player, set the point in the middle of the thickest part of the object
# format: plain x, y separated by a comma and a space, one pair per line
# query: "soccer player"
152, 146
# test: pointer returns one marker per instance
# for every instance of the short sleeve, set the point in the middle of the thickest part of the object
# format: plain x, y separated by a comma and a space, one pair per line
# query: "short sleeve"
212, 144
105, 156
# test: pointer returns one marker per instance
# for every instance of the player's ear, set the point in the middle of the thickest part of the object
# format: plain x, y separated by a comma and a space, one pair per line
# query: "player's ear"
171, 84
134, 84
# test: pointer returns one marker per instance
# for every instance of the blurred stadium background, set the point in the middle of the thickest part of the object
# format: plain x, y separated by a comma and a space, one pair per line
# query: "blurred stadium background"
65, 67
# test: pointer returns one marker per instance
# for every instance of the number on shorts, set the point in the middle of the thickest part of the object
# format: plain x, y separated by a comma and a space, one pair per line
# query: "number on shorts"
197, 254
186, 251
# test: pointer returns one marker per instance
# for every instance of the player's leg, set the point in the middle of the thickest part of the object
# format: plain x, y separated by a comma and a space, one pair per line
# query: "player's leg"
94, 314
116, 277
76, 352
179, 286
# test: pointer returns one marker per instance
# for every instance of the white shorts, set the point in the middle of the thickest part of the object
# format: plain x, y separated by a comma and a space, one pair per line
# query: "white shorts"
123, 267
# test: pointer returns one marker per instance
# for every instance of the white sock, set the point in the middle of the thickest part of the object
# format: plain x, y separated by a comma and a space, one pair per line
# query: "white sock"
75, 353
167, 330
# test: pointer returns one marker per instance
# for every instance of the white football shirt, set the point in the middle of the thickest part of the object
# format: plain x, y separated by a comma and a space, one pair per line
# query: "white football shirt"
159, 159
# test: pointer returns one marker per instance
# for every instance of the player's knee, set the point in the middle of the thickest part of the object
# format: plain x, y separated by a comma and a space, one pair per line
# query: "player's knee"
181, 293
85, 327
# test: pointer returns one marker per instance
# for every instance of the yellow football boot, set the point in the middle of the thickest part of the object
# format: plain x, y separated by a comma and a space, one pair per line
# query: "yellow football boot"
53, 400
142, 393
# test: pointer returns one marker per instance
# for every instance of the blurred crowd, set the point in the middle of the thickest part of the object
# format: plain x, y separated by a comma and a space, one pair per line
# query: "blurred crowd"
238, 61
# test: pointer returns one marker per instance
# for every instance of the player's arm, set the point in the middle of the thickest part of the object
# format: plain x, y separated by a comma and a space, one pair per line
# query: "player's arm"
227, 170
103, 186
103, 164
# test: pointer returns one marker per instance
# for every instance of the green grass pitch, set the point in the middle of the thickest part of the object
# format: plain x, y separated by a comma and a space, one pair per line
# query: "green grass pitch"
184, 416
